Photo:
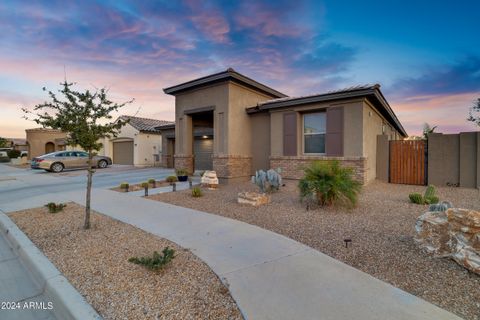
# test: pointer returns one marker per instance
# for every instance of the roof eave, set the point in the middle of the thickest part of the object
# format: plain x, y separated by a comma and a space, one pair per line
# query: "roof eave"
220, 77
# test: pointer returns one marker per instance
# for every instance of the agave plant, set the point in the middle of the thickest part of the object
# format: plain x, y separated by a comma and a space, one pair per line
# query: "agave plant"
330, 184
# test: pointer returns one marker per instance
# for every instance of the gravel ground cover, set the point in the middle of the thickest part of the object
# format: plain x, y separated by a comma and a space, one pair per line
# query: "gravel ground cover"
381, 228
95, 262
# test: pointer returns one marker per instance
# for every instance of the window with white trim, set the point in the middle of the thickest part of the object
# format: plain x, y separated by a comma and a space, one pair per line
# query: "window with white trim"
314, 129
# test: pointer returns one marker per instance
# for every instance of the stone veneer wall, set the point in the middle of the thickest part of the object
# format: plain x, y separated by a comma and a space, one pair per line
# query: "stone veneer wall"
232, 166
292, 167
184, 162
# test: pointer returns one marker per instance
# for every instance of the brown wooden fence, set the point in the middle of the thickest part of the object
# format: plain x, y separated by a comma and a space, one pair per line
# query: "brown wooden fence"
407, 162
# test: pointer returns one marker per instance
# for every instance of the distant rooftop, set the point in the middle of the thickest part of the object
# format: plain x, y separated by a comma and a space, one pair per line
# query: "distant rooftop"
145, 124
229, 74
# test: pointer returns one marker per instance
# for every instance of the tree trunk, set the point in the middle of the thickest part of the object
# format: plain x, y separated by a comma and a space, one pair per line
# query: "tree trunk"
89, 191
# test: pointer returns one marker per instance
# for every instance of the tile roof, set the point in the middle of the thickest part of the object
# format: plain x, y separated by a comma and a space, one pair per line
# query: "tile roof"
145, 124
343, 90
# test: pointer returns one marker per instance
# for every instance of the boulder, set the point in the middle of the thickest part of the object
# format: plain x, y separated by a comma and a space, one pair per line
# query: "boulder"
209, 179
454, 234
253, 198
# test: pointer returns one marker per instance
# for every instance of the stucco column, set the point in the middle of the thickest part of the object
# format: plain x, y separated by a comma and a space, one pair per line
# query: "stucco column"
184, 143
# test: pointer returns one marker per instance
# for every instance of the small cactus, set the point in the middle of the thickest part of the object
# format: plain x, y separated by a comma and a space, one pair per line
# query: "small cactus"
197, 192
440, 207
432, 200
267, 181
430, 192
416, 198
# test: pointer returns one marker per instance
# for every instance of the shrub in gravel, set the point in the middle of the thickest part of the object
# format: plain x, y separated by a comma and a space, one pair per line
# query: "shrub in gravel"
124, 186
55, 207
171, 179
330, 184
197, 192
153, 182
157, 261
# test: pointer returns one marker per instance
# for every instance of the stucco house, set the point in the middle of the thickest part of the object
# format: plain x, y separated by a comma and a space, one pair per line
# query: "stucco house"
235, 125
138, 143
41, 141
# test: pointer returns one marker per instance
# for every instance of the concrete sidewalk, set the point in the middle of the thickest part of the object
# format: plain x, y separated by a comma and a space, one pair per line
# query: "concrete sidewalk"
269, 276
18, 286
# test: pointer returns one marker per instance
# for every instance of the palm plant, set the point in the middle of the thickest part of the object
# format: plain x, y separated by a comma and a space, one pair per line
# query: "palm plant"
330, 184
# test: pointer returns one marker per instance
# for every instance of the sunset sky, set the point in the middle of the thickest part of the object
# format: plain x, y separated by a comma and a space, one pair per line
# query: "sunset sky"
425, 54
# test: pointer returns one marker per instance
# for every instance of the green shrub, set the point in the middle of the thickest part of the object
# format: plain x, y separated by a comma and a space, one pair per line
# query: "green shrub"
171, 179
13, 154
55, 207
151, 181
416, 198
157, 261
330, 184
4, 159
181, 172
124, 185
197, 192
144, 184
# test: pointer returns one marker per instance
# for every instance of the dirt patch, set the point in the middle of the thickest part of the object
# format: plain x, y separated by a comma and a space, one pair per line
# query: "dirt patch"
381, 229
95, 262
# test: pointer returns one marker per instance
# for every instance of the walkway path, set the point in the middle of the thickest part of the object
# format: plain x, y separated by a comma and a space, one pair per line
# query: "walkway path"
269, 276
18, 286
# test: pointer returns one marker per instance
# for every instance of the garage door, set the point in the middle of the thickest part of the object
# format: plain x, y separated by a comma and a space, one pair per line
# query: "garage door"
123, 152
203, 150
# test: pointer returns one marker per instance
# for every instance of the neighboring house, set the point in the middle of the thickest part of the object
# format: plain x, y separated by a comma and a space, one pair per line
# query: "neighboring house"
17, 144
235, 125
138, 143
41, 141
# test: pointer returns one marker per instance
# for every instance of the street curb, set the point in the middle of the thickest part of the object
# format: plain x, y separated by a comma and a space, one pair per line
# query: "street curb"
68, 303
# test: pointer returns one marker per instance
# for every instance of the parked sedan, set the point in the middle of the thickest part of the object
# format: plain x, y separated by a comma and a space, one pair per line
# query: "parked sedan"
57, 161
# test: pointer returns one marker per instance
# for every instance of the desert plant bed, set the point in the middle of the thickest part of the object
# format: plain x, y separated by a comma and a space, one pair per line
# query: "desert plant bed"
95, 261
138, 186
381, 227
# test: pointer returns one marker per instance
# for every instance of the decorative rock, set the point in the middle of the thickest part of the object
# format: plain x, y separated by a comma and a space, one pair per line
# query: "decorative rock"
253, 198
209, 179
454, 233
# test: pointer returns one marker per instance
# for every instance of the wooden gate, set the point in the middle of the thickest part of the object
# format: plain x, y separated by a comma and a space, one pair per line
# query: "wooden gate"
408, 162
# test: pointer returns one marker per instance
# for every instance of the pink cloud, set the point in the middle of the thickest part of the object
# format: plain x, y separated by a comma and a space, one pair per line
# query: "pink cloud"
209, 21
447, 112
268, 21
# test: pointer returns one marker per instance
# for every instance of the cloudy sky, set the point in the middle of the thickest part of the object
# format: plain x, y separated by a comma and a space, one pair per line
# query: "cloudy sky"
425, 54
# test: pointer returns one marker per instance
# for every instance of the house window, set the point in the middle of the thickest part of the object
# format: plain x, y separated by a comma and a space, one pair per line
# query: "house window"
314, 128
